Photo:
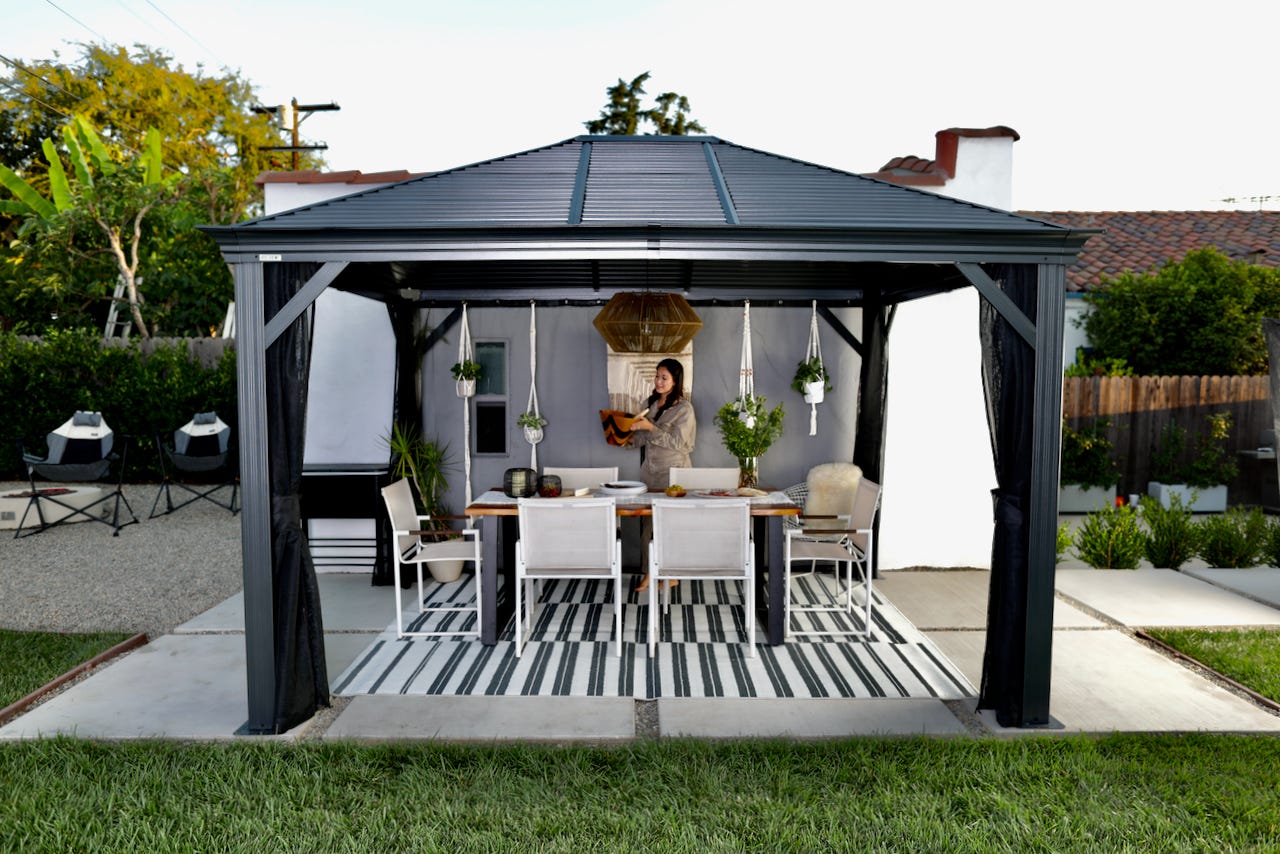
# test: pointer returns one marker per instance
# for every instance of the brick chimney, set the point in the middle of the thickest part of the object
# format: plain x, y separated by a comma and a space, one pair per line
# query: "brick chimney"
974, 164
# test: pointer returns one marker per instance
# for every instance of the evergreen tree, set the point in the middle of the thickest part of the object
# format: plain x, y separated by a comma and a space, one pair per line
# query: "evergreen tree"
622, 114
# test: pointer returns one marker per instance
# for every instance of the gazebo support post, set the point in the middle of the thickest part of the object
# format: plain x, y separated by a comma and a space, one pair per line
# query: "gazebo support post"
1043, 516
255, 497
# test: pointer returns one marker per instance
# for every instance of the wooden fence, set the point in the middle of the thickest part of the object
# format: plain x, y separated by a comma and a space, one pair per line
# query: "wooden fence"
1139, 407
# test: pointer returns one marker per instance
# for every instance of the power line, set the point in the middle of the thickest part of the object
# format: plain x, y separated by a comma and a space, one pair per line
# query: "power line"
184, 31
104, 39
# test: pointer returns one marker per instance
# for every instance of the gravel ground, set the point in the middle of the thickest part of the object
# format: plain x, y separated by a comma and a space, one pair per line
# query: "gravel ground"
156, 575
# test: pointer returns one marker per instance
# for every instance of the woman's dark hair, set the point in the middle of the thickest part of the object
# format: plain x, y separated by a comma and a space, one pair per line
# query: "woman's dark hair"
677, 386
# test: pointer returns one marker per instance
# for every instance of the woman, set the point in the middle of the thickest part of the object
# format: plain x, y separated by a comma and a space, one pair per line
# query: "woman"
665, 439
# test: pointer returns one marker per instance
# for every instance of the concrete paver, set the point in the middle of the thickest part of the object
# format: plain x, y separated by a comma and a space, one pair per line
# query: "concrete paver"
1161, 597
384, 717
1260, 583
702, 717
957, 599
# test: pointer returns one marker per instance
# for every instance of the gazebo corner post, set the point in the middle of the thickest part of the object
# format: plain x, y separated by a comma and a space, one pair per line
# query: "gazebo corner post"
255, 500
1043, 515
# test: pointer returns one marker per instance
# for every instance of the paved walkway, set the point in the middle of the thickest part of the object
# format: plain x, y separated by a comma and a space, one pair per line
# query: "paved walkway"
191, 683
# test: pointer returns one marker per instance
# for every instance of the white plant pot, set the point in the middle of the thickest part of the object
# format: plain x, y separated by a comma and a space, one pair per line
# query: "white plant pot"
1074, 498
1209, 499
446, 571
465, 388
815, 392
533, 435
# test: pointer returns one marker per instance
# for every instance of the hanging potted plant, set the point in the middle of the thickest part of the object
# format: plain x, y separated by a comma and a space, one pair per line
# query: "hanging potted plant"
1089, 474
425, 462
747, 429
812, 380
532, 423
465, 373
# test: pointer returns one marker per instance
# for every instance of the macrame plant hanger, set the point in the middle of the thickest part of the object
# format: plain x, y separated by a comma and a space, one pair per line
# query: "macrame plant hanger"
814, 351
746, 378
533, 435
466, 353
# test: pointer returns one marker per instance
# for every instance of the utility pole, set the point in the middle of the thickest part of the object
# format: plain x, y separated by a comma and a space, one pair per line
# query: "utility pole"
289, 116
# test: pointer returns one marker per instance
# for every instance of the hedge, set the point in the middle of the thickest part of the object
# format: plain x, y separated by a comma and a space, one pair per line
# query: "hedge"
43, 381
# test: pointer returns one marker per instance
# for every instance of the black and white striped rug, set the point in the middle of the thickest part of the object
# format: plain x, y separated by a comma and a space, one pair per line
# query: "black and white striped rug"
572, 653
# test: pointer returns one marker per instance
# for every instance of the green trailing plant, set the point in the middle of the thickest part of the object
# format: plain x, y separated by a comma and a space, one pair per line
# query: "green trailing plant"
1111, 539
531, 420
1236, 538
426, 462
1271, 547
466, 370
747, 428
1173, 537
1086, 456
808, 371
1165, 466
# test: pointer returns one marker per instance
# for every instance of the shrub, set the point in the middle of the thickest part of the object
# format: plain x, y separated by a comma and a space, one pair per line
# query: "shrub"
1271, 546
1111, 539
1086, 455
1173, 537
42, 382
1064, 541
1233, 539
1210, 464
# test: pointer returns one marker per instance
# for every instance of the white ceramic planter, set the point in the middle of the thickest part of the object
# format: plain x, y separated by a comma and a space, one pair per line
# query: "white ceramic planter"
1210, 499
1074, 498
446, 571
814, 392
465, 388
533, 435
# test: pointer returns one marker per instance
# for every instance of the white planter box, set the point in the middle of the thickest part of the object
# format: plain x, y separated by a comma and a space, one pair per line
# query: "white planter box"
1211, 499
1074, 498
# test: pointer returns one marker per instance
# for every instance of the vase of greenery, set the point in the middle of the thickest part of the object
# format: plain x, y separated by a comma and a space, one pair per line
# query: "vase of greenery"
1089, 474
812, 380
426, 463
1199, 474
465, 374
532, 424
747, 429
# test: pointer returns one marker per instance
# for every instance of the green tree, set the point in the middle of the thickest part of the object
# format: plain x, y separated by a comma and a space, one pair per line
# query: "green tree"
104, 221
206, 121
623, 114
1198, 316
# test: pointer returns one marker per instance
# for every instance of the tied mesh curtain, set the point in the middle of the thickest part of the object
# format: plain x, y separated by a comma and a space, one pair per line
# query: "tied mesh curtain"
302, 680
1008, 378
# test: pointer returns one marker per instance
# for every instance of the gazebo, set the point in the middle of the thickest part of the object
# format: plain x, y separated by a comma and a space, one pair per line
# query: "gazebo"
573, 223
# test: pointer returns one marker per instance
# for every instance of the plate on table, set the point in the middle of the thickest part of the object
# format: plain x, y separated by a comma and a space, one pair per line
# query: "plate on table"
716, 493
623, 487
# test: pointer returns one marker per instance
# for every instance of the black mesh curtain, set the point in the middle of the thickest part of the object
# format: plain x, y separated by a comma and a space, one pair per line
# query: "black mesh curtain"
873, 393
302, 680
1008, 378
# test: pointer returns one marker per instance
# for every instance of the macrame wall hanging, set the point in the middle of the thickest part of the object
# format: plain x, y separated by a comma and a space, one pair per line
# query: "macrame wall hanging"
466, 354
532, 420
746, 376
814, 390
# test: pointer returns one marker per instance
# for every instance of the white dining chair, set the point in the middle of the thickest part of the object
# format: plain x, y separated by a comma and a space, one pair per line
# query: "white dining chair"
847, 541
567, 538
580, 478
707, 539
704, 477
412, 550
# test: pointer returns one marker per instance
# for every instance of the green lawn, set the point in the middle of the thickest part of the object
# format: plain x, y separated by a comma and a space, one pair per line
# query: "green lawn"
32, 659
1249, 656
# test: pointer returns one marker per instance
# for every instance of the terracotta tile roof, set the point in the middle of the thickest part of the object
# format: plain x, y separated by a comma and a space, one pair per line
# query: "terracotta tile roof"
350, 176
1141, 241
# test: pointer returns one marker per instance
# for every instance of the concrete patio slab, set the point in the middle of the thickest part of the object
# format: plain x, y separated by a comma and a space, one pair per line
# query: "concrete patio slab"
349, 601
957, 599
1105, 681
791, 718
438, 718
1260, 583
1161, 597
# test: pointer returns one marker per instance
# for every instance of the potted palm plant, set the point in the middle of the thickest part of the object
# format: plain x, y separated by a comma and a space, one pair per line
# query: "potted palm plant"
747, 429
812, 380
465, 374
426, 462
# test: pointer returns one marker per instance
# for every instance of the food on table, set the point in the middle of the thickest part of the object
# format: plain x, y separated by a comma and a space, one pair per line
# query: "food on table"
751, 492
675, 490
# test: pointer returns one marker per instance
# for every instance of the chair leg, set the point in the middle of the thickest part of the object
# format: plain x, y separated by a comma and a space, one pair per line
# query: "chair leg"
519, 585
750, 586
654, 584
399, 604
617, 611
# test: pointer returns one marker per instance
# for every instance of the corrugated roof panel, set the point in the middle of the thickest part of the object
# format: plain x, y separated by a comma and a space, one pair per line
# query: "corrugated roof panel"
650, 182
771, 190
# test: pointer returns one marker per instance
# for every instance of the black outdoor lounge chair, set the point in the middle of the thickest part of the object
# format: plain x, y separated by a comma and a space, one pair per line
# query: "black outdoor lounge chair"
79, 451
201, 448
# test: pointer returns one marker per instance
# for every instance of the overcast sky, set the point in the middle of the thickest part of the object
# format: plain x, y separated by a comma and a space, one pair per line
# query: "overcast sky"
1164, 106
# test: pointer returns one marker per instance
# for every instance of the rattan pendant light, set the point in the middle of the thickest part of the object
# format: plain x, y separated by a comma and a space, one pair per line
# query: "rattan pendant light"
647, 322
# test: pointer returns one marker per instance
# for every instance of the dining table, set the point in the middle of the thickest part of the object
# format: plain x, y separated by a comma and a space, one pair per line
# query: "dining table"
497, 516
